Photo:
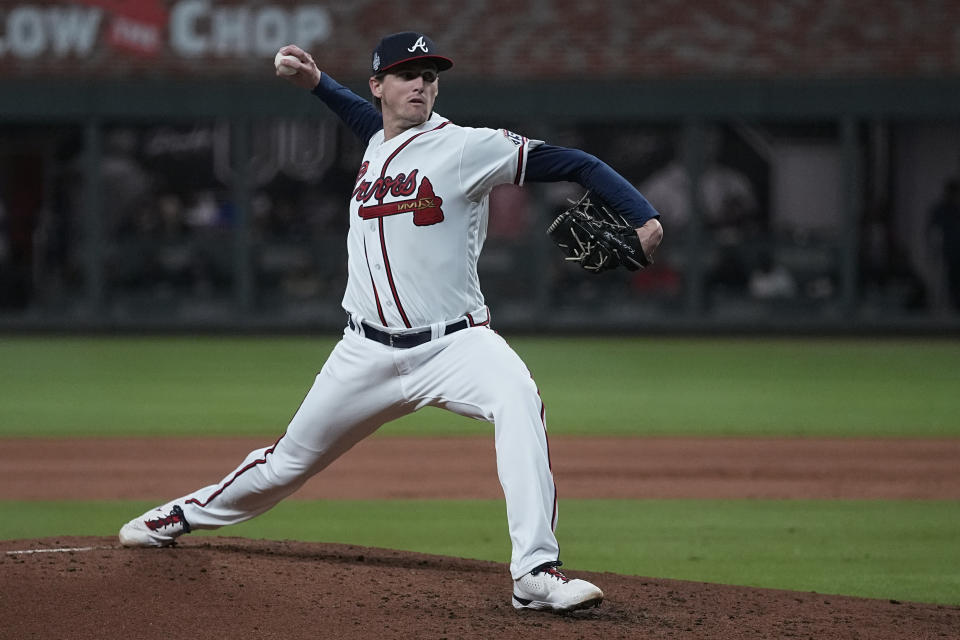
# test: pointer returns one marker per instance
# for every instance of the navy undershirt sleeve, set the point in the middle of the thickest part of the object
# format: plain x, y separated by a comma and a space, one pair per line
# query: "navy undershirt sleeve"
548, 163
358, 114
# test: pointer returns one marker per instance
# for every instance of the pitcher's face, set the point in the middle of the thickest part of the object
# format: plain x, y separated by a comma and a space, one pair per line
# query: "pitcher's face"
407, 93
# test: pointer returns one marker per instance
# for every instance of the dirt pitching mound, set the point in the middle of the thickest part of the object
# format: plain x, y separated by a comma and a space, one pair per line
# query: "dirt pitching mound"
233, 588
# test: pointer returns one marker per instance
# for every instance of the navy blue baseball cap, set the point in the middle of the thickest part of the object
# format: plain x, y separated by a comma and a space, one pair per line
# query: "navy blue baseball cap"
398, 48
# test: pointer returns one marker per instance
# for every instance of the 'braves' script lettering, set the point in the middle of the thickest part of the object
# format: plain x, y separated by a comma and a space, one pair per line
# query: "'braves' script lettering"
401, 185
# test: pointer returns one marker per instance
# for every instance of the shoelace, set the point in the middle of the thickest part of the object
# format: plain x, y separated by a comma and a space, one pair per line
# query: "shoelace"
550, 568
174, 517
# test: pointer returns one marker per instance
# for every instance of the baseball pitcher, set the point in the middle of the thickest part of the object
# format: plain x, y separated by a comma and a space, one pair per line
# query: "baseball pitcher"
418, 332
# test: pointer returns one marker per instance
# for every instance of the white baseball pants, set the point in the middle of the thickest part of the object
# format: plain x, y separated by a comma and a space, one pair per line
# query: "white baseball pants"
363, 385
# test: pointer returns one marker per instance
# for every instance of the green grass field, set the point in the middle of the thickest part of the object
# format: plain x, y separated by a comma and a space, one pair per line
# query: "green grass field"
246, 386
56, 387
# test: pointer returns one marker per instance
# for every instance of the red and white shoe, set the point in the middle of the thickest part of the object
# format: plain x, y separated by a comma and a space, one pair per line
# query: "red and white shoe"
158, 527
546, 588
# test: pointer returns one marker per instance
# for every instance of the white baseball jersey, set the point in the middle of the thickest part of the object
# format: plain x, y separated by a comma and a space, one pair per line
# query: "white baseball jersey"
418, 219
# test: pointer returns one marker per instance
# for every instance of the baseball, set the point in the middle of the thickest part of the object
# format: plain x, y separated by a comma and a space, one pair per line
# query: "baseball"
285, 64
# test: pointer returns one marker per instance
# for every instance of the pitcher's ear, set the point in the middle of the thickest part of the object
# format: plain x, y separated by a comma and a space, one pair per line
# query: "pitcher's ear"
376, 86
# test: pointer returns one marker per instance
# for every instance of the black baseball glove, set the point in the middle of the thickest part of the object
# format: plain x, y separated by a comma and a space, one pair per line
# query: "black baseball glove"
597, 238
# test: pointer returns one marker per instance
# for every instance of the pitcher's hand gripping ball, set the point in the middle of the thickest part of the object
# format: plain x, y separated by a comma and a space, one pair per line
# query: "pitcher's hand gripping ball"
596, 238
285, 64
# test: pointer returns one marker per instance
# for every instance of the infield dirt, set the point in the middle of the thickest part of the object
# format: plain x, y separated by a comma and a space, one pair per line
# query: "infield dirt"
464, 468
233, 588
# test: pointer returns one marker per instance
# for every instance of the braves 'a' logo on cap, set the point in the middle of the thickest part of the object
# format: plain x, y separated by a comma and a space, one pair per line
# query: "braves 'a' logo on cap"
419, 44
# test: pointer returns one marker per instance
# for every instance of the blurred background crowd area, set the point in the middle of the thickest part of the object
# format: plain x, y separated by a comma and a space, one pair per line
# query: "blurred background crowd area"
804, 155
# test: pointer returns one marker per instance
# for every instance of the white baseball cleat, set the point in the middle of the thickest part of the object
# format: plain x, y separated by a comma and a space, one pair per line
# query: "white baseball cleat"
156, 528
547, 588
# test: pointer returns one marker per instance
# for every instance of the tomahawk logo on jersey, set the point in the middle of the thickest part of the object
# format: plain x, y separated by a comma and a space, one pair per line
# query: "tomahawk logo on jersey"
425, 206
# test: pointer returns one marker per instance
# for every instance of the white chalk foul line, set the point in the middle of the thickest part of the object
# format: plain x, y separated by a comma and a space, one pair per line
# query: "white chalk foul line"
61, 550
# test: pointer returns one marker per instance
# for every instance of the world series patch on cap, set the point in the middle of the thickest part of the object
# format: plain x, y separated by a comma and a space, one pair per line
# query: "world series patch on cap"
398, 48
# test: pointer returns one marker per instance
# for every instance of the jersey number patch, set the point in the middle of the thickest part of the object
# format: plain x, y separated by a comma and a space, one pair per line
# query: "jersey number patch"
515, 138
